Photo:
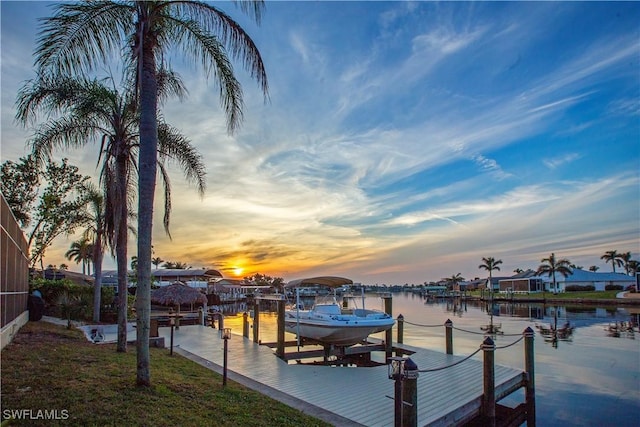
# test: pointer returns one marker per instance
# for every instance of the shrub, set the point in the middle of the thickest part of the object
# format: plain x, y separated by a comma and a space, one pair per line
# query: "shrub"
580, 288
613, 287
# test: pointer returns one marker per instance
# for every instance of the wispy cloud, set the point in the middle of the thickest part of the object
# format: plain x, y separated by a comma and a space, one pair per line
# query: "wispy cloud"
556, 162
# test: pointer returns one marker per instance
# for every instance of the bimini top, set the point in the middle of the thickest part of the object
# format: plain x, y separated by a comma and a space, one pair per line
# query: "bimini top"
330, 281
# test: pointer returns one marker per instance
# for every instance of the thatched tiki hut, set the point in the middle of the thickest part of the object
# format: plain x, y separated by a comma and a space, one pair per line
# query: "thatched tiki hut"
178, 294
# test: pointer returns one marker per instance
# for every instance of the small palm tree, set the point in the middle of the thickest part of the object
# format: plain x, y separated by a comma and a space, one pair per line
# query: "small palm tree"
81, 252
156, 261
551, 266
634, 267
614, 258
626, 257
490, 264
594, 268
454, 280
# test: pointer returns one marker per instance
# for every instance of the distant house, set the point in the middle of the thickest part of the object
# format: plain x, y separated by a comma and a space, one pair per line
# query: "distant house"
197, 278
589, 278
495, 283
527, 281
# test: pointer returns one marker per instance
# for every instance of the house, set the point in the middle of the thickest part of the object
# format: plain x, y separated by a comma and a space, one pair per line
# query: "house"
589, 278
197, 278
526, 281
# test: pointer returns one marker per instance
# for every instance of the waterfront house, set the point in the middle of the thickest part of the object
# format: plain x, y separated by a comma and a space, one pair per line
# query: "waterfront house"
589, 278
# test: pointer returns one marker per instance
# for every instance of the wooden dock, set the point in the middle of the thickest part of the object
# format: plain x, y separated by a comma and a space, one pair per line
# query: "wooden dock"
349, 396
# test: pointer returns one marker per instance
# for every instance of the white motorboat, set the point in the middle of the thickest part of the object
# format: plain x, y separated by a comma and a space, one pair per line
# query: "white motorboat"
329, 323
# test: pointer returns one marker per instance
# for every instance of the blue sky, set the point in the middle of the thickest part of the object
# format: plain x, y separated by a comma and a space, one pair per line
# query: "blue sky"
402, 141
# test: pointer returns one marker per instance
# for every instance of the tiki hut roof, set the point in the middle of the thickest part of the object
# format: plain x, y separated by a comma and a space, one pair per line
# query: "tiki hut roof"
178, 293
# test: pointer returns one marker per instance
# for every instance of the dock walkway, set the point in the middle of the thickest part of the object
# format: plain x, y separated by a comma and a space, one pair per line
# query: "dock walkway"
347, 396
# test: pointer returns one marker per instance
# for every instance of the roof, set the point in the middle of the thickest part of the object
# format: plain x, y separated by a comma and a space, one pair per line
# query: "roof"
331, 281
185, 273
590, 276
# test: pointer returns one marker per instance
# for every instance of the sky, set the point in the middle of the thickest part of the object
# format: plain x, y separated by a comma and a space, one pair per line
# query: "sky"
401, 143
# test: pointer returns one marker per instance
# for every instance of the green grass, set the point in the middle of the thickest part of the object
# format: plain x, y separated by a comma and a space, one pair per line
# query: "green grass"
48, 367
587, 295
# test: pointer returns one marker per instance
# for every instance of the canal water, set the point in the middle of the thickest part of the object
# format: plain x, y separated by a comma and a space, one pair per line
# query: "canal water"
590, 377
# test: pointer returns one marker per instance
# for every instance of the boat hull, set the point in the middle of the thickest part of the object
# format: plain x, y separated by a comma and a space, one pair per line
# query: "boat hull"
338, 332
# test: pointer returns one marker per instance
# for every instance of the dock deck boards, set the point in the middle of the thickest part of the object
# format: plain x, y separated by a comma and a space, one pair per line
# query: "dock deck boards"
446, 397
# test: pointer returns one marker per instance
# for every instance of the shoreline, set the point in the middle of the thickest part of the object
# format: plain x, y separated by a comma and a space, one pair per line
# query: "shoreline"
632, 301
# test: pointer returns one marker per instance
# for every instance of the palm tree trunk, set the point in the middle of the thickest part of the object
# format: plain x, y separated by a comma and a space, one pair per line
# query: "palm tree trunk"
146, 189
121, 229
97, 283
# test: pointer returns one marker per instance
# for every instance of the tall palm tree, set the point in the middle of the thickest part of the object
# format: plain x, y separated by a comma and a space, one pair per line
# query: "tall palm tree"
614, 258
90, 110
80, 251
490, 264
551, 266
80, 35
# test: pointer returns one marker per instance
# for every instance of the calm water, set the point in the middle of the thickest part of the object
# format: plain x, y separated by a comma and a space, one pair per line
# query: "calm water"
591, 379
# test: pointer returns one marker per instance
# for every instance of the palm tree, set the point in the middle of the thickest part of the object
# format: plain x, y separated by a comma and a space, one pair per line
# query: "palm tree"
454, 280
614, 258
89, 110
634, 266
81, 34
80, 252
551, 266
594, 268
626, 257
156, 261
95, 233
490, 264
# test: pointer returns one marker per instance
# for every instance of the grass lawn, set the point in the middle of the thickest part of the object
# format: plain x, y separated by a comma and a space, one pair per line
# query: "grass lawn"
587, 295
50, 368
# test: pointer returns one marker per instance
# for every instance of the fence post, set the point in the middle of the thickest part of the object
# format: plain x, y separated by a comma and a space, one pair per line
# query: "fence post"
530, 391
245, 325
489, 393
201, 316
448, 325
410, 394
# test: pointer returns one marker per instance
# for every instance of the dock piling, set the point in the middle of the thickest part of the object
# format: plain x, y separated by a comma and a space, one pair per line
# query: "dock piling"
280, 348
489, 390
400, 339
530, 391
448, 328
245, 325
410, 394
388, 308
256, 321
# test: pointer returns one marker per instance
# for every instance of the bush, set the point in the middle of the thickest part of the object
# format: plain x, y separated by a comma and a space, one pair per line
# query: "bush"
613, 288
68, 300
632, 289
580, 288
